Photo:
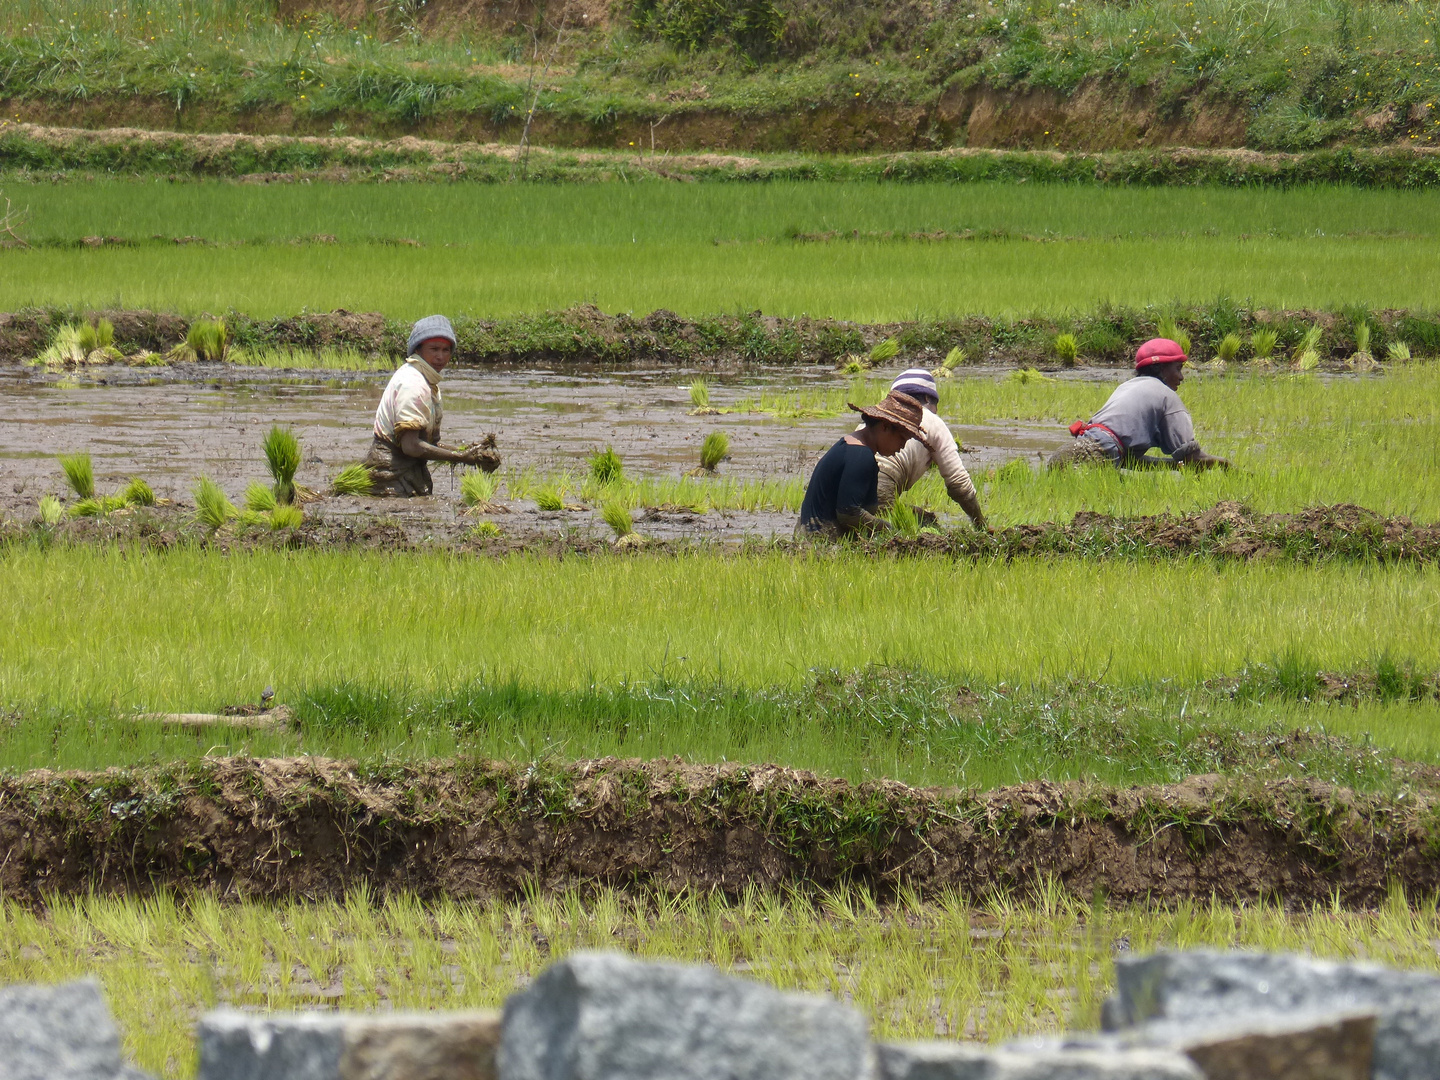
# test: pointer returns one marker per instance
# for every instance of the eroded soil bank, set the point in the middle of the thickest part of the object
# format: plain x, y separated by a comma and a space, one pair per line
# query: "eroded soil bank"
315, 827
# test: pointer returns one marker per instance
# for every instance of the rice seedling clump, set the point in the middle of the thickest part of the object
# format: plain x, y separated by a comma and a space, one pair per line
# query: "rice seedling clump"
282, 454
714, 450
354, 480
606, 467
212, 508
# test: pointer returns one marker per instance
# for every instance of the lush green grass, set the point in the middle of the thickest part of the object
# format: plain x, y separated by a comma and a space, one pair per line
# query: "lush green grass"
978, 968
190, 629
902, 724
872, 283
617, 213
1310, 72
639, 248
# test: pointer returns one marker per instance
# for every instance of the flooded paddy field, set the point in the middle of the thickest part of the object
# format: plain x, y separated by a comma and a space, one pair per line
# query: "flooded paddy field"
175, 424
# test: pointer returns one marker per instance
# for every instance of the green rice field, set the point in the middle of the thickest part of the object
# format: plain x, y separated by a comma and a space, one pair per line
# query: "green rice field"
992, 968
493, 250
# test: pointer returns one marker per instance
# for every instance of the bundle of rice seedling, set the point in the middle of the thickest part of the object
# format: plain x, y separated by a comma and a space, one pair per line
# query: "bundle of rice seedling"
903, 519
549, 500
617, 515
286, 517
97, 339
138, 493
1361, 360
605, 466
700, 397
1307, 353
1169, 328
1398, 350
51, 510
352, 480
1229, 347
1025, 376
87, 508
212, 508
715, 449
477, 490
1263, 342
259, 498
79, 474
65, 348
282, 454
1067, 349
207, 339
886, 350
953, 359
485, 530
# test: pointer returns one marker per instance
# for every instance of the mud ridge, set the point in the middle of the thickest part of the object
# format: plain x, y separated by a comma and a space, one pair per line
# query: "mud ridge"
1226, 531
585, 334
315, 827
108, 147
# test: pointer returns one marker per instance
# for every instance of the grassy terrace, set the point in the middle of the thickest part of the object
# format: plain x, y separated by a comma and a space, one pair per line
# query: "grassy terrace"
857, 251
1313, 74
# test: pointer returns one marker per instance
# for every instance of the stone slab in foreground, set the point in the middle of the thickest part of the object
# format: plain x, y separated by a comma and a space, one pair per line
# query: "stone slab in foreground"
1167, 993
959, 1061
348, 1046
61, 1032
606, 1016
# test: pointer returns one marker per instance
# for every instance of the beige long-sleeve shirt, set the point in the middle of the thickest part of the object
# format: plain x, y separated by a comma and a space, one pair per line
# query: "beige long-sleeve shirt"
900, 472
411, 402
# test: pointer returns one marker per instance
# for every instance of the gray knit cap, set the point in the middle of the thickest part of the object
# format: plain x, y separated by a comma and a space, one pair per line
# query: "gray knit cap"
428, 327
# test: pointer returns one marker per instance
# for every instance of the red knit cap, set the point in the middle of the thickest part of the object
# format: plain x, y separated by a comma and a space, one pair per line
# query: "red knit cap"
1160, 350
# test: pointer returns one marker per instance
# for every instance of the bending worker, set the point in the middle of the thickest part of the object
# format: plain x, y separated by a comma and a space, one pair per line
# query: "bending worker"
841, 497
407, 422
1142, 412
934, 446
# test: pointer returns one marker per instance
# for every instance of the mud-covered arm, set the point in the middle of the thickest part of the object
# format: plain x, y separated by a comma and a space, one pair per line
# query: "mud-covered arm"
413, 445
945, 453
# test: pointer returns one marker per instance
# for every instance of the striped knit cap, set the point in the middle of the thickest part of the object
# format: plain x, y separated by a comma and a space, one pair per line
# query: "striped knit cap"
427, 328
916, 381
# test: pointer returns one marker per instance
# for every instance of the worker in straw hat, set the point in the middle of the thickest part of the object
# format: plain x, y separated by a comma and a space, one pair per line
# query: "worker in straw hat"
1143, 412
841, 497
407, 421
934, 446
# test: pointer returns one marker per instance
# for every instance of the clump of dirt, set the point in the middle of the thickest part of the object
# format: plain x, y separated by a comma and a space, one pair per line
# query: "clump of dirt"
317, 827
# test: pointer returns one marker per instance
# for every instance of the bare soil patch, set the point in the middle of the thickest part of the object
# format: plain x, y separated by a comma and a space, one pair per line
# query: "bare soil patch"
315, 827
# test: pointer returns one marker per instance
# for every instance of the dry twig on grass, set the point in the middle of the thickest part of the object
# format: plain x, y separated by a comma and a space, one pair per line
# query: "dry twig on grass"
8, 221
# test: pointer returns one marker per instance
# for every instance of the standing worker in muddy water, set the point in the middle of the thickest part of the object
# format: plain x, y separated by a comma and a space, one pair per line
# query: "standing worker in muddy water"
407, 422
841, 497
1142, 412
935, 446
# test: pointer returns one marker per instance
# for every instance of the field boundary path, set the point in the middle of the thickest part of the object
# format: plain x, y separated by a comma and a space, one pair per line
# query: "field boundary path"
43, 149
316, 827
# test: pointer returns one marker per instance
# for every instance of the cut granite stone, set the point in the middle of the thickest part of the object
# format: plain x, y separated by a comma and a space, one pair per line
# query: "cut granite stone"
607, 1016
1041, 1061
1189, 988
348, 1046
61, 1032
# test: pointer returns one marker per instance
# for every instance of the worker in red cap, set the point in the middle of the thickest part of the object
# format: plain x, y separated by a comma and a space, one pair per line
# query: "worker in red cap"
1143, 412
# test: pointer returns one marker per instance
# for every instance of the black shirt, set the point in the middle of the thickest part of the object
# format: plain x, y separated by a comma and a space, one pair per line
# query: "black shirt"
843, 482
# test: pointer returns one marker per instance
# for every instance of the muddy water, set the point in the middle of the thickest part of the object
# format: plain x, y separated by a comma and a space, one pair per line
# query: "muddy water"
172, 425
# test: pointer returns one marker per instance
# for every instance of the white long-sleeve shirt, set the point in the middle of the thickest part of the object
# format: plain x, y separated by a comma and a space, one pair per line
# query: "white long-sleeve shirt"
411, 402
905, 469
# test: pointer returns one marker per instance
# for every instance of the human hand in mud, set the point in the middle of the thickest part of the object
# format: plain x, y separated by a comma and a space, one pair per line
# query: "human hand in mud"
483, 459
926, 516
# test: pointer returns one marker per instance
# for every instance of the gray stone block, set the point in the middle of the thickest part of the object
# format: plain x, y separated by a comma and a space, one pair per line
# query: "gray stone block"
606, 1016
348, 1046
1201, 986
1041, 1060
59, 1032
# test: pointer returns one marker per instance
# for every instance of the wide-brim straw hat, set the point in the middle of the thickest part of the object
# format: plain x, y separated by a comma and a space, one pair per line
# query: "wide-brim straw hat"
900, 409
